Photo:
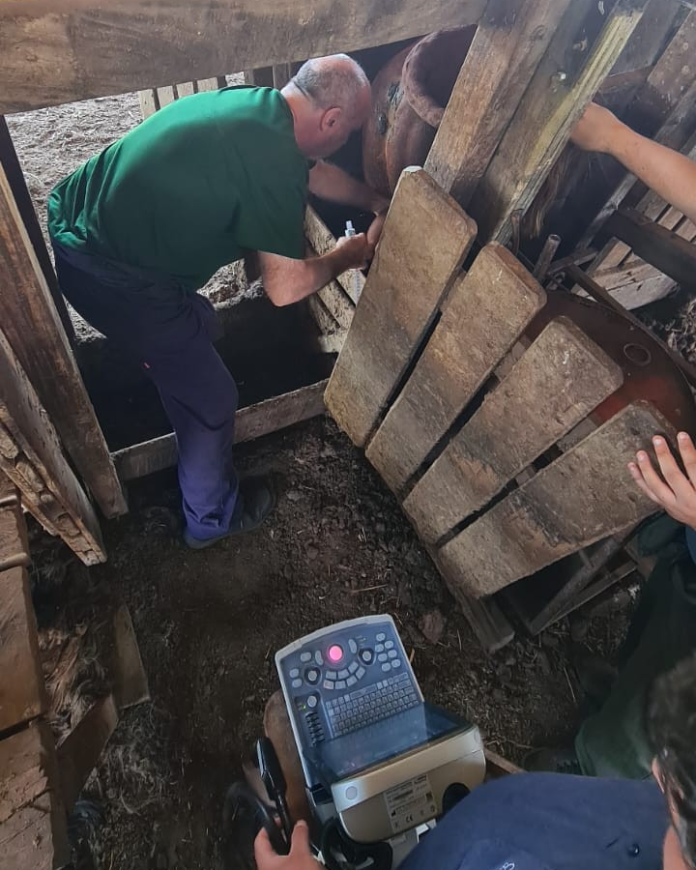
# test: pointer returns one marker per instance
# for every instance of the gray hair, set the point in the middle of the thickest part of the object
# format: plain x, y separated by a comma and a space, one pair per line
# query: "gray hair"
336, 80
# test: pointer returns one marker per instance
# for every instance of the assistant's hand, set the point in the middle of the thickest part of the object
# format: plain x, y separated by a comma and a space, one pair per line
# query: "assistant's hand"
300, 857
675, 491
596, 130
353, 252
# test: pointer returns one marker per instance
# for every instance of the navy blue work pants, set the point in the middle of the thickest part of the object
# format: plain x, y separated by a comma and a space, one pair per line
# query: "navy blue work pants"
170, 332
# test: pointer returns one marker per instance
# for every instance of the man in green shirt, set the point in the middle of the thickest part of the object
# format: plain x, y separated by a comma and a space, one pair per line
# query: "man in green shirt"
139, 228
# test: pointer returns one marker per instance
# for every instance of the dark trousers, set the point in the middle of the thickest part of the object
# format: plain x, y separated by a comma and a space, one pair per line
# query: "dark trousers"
170, 332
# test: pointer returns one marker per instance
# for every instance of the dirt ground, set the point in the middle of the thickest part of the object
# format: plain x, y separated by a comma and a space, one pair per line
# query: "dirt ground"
209, 623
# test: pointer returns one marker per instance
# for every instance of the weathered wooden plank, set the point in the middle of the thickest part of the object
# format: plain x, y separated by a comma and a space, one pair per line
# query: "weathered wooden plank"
14, 544
667, 251
79, 753
585, 495
488, 622
322, 241
33, 329
166, 95
211, 84
337, 304
149, 102
483, 316
31, 456
22, 692
128, 677
57, 51
186, 89
507, 48
579, 57
252, 422
25, 205
648, 39
425, 239
33, 825
557, 383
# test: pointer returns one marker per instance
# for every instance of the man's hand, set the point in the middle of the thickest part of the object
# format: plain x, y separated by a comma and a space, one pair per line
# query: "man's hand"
676, 493
597, 130
374, 231
300, 857
353, 252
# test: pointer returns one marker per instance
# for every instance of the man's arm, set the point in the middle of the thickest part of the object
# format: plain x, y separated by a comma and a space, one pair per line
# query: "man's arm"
667, 172
286, 281
333, 184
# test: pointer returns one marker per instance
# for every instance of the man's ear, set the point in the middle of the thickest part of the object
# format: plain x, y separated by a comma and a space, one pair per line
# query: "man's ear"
331, 118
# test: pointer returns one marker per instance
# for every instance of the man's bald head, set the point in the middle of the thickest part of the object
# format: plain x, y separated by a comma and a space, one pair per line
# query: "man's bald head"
329, 98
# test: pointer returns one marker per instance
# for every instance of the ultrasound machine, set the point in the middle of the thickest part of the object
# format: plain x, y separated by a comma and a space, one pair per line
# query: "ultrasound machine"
380, 764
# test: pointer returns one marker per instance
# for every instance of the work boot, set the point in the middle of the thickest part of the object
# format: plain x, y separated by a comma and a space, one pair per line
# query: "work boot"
552, 761
255, 501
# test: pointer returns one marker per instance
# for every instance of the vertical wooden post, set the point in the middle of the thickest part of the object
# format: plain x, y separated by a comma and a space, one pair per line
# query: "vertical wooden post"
581, 54
34, 331
15, 177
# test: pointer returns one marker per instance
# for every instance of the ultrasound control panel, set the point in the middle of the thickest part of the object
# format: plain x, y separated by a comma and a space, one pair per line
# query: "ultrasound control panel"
345, 677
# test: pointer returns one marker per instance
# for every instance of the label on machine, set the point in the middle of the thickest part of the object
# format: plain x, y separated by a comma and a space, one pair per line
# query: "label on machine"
410, 803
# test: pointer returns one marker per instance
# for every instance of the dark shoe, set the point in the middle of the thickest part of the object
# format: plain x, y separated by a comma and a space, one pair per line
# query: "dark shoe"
254, 503
552, 761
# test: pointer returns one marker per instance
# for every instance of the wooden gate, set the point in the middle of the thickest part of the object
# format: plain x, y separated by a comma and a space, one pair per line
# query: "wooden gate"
453, 408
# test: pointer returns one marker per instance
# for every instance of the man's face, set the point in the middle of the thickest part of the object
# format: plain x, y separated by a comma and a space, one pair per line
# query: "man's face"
336, 125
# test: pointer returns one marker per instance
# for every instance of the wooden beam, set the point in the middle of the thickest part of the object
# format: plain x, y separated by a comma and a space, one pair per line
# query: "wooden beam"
32, 326
33, 824
14, 544
425, 240
658, 246
58, 51
31, 456
583, 496
458, 358
25, 205
252, 422
22, 691
581, 54
558, 381
507, 48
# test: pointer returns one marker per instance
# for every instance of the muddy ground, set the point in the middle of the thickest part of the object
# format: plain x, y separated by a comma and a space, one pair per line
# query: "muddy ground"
209, 623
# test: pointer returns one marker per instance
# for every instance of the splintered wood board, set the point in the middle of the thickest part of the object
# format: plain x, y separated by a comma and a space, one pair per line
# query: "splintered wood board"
425, 239
484, 314
585, 495
559, 380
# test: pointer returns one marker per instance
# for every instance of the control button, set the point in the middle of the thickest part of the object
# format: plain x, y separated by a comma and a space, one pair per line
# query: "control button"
351, 681
360, 673
294, 673
351, 793
344, 674
312, 675
352, 667
331, 675
306, 657
386, 667
312, 701
381, 637
389, 644
329, 684
396, 663
379, 648
352, 646
318, 657
382, 657
335, 653
392, 653
297, 684
341, 684
367, 656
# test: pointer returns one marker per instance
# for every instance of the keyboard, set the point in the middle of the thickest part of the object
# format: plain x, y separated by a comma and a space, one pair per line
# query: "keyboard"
348, 713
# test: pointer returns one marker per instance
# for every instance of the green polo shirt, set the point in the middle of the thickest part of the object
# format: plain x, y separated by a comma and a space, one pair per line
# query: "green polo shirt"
190, 188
